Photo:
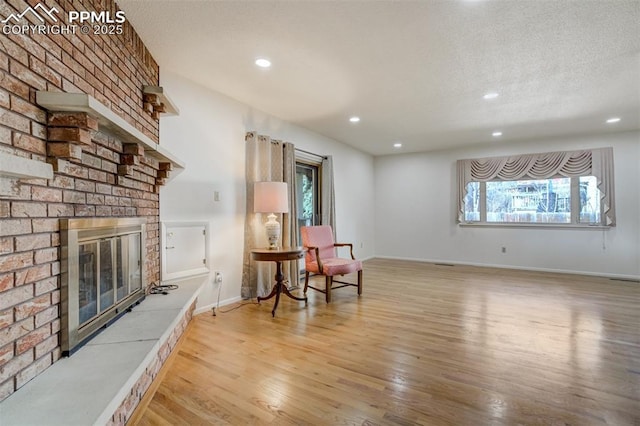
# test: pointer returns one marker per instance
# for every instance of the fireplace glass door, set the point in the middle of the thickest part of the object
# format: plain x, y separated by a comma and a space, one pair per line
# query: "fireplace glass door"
87, 291
109, 270
107, 292
133, 261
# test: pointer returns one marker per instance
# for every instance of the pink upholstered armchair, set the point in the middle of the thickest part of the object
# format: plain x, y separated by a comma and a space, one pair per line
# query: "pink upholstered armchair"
321, 258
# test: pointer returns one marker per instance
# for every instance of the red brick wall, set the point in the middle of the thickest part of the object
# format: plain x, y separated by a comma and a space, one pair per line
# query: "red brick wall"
113, 69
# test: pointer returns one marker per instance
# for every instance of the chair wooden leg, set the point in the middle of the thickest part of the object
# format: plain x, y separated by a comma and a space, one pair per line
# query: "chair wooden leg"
306, 282
359, 283
328, 283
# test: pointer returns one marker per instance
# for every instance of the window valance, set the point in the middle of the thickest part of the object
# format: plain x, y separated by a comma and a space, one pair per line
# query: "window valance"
594, 162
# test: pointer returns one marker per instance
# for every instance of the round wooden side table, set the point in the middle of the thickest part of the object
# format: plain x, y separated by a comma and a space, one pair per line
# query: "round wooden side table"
279, 255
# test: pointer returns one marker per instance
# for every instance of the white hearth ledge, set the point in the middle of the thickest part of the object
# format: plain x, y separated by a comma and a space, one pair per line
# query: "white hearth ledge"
109, 121
88, 387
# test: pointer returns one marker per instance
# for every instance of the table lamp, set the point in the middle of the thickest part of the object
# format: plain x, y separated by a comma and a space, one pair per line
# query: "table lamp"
271, 197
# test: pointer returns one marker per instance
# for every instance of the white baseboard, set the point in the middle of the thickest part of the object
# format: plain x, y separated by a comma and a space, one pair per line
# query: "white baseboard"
522, 268
210, 306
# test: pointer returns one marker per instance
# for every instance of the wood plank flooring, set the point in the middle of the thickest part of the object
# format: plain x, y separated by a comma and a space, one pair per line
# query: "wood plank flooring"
424, 345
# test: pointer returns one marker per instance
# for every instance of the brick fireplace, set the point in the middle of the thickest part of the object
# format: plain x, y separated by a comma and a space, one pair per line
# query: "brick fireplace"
98, 169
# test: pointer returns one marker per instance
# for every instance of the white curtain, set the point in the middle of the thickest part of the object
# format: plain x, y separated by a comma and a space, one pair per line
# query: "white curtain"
595, 162
267, 160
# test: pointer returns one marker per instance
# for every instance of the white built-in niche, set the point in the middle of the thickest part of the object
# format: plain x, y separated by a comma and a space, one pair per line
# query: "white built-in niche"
184, 249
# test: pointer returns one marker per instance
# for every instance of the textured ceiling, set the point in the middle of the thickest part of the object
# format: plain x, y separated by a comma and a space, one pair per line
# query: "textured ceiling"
415, 72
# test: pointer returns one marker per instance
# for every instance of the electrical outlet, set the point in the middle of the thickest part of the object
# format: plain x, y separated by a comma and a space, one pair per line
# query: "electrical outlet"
217, 277
504, 249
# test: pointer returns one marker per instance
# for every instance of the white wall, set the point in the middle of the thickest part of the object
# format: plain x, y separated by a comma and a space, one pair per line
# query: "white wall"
415, 214
209, 136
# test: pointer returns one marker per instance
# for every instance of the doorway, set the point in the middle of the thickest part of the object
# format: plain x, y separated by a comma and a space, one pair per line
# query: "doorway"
307, 197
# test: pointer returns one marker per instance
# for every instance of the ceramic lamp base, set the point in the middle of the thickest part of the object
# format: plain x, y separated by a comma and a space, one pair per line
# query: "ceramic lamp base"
273, 231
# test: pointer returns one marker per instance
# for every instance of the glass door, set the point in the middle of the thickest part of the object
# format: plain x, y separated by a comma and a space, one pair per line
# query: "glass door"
87, 281
307, 194
307, 198
106, 264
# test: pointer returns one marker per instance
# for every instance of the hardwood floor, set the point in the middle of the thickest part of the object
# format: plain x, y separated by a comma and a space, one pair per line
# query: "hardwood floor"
425, 344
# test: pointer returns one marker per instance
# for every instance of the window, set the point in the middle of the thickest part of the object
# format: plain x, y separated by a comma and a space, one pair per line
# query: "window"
589, 200
561, 188
534, 201
307, 194
308, 184
315, 194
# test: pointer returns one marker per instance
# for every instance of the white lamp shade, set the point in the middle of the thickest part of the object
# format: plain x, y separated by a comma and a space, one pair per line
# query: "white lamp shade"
270, 197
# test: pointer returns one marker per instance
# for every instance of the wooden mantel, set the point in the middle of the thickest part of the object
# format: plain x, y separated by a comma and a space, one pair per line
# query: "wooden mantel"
108, 121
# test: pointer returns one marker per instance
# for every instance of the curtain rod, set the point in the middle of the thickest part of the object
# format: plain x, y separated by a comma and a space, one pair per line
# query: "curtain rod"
311, 153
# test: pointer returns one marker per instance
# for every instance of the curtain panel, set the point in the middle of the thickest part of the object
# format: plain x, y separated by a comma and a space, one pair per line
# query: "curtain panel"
327, 192
595, 162
267, 160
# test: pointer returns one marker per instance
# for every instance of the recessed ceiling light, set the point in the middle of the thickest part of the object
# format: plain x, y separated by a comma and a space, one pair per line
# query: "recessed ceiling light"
263, 63
397, 145
491, 95
496, 134
354, 119
613, 120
